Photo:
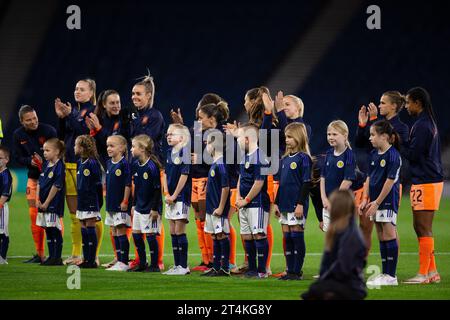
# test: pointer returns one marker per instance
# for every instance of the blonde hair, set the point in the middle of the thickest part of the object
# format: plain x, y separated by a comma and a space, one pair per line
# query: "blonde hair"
149, 85
93, 88
299, 103
58, 144
146, 143
341, 127
122, 141
298, 132
342, 209
183, 130
88, 146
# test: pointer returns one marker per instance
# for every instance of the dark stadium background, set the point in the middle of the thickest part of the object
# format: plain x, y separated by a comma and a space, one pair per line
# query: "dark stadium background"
321, 51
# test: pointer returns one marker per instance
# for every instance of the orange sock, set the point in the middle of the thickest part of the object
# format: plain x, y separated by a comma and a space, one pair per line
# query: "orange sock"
432, 267
160, 240
425, 251
37, 232
232, 245
209, 246
113, 242
201, 240
270, 240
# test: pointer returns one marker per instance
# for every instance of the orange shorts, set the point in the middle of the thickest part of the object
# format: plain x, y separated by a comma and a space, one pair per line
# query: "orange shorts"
358, 196
426, 197
276, 186
233, 198
198, 189
270, 188
31, 189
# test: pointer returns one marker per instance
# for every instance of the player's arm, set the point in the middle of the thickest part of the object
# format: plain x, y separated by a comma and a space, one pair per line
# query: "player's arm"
126, 196
223, 200
53, 191
323, 194
3, 200
256, 188
180, 185
365, 199
345, 185
165, 185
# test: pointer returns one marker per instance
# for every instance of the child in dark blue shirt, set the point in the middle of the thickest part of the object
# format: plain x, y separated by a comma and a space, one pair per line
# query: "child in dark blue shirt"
177, 190
253, 201
89, 196
5, 196
218, 207
338, 171
51, 191
147, 201
382, 188
118, 190
292, 201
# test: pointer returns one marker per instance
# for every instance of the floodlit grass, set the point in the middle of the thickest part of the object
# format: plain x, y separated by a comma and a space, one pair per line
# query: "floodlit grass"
25, 281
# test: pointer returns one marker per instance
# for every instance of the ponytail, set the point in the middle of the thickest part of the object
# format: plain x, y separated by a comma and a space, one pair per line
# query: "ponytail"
149, 85
422, 95
385, 127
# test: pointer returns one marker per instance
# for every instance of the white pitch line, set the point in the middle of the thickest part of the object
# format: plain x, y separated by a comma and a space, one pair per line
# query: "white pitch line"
274, 254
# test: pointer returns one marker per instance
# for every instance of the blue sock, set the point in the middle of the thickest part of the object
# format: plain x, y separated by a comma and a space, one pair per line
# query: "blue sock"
85, 240
262, 247
118, 248
183, 250
250, 248
4, 240
383, 253
217, 251
153, 244
225, 248
289, 252
50, 242
92, 243
124, 248
392, 257
176, 252
140, 247
299, 250
58, 243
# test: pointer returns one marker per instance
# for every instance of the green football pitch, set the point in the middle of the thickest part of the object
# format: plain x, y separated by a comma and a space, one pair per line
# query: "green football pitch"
25, 281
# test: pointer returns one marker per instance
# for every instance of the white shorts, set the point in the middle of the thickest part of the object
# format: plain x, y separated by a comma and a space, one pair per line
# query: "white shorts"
253, 220
216, 225
83, 215
325, 219
177, 211
115, 219
48, 220
144, 224
386, 215
4, 220
288, 218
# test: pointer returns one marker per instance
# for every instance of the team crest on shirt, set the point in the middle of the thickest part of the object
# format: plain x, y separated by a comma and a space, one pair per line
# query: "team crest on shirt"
247, 165
144, 120
116, 126
50, 175
340, 164
213, 173
83, 113
293, 165
86, 172
118, 172
176, 160
382, 163
41, 140
145, 175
